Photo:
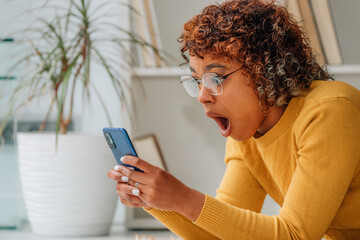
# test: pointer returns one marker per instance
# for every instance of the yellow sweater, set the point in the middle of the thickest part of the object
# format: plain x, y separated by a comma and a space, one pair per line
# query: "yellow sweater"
308, 163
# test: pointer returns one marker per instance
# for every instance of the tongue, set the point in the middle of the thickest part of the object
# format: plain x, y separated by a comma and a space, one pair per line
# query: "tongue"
224, 123
225, 126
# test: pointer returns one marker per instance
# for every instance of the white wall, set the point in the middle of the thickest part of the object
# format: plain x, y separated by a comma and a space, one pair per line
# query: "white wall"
172, 15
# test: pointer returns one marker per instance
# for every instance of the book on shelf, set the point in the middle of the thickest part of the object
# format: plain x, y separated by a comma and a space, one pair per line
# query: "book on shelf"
145, 27
311, 30
315, 18
325, 26
153, 29
293, 8
140, 29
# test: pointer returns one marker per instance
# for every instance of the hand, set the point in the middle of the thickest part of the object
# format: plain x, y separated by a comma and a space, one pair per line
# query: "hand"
125, 189
161, 190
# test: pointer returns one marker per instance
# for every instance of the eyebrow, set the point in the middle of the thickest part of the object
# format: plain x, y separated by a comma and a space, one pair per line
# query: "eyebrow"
209, 67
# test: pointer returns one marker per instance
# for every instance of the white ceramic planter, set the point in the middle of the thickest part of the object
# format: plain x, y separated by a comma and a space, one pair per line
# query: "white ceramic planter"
67, 193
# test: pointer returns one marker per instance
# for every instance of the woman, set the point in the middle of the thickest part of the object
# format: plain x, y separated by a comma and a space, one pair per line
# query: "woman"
290, 134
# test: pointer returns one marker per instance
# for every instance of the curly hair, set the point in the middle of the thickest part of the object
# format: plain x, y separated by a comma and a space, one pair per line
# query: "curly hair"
271, 47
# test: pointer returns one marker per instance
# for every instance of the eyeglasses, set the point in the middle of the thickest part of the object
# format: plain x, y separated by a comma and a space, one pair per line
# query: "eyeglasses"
211, 81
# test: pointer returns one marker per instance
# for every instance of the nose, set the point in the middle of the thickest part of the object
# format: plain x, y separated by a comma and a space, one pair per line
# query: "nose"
204, 96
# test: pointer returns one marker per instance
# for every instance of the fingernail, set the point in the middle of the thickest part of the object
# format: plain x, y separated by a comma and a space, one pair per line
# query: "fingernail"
124, 178
136, 192
122, 159
117, 167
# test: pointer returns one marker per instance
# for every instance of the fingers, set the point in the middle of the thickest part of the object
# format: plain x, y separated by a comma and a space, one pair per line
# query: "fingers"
121, 179
130, 198
133, 205
118, 176
131, 201
137, 162
128, 189
129, 185
123, 172
129, 195
134, 184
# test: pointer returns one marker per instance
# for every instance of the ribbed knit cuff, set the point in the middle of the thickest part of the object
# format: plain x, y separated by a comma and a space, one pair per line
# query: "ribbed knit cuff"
213, 215
163, 216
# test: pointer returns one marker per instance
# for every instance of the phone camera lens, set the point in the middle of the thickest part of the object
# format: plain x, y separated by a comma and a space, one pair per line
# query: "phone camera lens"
109, 140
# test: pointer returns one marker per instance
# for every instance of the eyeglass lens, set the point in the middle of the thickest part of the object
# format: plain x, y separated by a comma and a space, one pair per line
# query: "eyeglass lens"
211, 82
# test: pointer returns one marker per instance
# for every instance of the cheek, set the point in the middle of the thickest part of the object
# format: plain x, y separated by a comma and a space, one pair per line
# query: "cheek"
246, 126
245, 103
247, 116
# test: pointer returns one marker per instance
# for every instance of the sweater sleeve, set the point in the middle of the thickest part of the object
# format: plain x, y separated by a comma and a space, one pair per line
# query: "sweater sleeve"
327, 160
181, 225
238, 188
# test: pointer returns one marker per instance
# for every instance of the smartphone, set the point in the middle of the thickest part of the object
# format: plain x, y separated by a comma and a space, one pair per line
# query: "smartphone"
120, 145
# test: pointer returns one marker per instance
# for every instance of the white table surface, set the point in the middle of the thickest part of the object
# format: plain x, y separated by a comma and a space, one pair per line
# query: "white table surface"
117, 232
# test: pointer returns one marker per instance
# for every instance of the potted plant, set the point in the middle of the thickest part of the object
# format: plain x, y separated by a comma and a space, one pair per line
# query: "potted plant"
63, 176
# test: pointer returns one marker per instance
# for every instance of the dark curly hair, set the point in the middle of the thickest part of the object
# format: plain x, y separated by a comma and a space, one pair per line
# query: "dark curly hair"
268, 42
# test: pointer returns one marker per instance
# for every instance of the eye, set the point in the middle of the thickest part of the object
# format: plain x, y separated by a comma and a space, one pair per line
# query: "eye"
216, 80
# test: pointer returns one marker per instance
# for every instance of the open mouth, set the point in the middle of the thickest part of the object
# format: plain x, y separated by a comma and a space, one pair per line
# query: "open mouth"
223, 122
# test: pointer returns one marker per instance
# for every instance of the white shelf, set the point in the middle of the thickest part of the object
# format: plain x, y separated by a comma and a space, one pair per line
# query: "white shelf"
347, 69
160, 72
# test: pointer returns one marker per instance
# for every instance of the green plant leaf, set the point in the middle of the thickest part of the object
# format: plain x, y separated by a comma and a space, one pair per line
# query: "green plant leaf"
63, 50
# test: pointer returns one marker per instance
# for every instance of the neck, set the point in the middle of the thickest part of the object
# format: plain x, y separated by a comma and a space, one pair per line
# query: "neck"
270, 120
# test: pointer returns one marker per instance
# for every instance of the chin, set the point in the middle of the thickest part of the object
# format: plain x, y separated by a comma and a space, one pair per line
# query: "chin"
241, 137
